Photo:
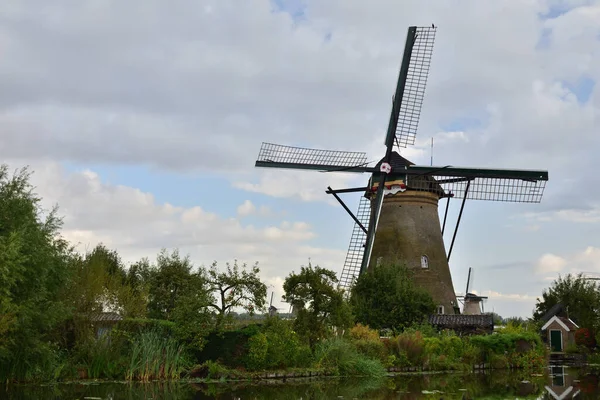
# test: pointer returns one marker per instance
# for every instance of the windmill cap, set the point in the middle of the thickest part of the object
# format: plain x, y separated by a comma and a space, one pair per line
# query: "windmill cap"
396, 161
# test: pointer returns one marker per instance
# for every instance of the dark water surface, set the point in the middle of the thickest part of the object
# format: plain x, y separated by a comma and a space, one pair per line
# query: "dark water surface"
556, 383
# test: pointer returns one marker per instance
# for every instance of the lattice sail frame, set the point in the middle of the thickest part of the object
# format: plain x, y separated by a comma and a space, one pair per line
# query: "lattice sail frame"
277, 155
354, 256
486, 186
414, 89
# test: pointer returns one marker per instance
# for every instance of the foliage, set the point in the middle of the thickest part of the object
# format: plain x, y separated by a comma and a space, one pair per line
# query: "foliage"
363, 332
318, 303
48, 293
580, 297
99, 358
34, 273
236, 287
285, 347
154, 356
169, 280
386, 297
256, 355
584, 337
227, 347
136, 326
341, 357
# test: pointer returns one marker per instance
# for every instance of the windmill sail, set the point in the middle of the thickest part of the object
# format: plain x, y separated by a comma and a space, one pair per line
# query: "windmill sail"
280, 156
517, 186
410, 90
356, 249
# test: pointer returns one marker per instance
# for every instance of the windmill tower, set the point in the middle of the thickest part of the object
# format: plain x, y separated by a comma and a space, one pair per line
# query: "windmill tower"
398, 219
472, 303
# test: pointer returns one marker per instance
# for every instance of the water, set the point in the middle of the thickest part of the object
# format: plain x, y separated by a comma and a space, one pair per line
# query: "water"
558, 382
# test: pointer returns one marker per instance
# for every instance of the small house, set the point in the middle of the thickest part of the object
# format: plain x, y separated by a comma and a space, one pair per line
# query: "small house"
103, 322
463, 324
559, 333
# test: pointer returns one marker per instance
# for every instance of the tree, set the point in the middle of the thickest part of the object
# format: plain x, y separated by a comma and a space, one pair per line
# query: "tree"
34, 272
579, 296
385, 297
169, 279
101, 284
236, 287
319, 304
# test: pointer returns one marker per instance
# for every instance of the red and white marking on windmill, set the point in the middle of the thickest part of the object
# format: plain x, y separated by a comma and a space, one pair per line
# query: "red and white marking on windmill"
385, 167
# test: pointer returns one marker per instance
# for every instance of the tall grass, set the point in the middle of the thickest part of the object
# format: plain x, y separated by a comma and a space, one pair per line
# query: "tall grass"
340, 356
154, 356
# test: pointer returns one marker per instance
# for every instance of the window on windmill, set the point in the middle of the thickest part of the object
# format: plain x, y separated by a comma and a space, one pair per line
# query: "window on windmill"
440, 309
424, 262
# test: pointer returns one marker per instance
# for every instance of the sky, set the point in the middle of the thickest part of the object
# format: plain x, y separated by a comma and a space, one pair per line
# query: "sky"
142, 121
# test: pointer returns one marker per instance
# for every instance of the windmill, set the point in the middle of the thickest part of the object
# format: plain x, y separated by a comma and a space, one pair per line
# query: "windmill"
272, 309
397, 219
472, 303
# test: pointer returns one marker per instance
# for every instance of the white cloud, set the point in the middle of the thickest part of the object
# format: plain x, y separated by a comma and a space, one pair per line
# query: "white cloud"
185, 88
582, 261
135, 224
302, 185
246, 208
550, 263
515, 297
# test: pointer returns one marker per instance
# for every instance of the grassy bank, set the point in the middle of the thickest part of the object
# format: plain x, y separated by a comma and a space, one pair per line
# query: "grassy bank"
273, 350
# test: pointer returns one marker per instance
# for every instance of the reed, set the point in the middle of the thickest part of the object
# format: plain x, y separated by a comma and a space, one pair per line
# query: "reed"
155, 357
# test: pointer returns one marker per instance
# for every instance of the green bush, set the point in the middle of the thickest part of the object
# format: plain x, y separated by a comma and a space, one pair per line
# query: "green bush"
412, 345
256, 355
136, 326
285, 347
338, 355
101, 358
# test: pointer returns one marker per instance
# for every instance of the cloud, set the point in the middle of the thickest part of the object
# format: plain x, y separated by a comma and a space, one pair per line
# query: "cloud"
581, 261
493, 295
302, 185
246, 208
550, 263
195, 88
134, 223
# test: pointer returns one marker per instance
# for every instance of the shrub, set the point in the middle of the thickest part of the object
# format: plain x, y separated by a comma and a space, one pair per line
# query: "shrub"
374, 349
138, 325
584, 337
412, 345
340, 356
256, 355
99, 358
228, 347
285, 349
363, 332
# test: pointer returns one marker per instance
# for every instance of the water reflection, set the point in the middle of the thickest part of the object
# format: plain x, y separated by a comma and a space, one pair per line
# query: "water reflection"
558, 383
562, 384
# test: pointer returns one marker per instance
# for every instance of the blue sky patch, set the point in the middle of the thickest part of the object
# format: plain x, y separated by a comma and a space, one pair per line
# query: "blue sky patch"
582, 88
296, 8
545, 39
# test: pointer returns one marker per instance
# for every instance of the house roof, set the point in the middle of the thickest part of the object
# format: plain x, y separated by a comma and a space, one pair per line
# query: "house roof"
566, 323
462, 320
556, 309
105, 317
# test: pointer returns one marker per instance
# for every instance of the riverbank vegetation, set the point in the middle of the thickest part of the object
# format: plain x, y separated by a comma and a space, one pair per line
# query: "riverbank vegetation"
66, 315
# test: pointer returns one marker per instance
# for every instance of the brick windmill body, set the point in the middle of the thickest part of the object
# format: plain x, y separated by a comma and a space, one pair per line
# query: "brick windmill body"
398, 218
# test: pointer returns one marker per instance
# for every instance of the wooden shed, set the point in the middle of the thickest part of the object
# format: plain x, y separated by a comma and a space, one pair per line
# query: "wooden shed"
560, 333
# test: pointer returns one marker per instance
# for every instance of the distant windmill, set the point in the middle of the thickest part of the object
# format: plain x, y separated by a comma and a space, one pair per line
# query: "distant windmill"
397, 219
272, 310
472, 304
